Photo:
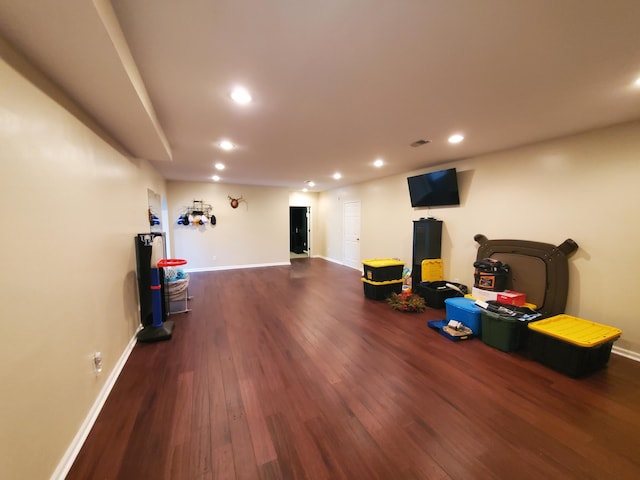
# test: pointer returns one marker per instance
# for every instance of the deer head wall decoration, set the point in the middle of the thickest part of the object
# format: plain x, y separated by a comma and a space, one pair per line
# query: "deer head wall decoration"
234, 202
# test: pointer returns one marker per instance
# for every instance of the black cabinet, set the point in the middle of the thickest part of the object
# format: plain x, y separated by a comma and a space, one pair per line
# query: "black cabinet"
427, 243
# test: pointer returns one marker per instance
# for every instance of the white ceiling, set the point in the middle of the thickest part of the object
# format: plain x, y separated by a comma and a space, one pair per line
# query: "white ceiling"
336, 83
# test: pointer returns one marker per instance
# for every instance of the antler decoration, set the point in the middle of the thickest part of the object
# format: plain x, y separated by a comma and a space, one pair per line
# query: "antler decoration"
234, 202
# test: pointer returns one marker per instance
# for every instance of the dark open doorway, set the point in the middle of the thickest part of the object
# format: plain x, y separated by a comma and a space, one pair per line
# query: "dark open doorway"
299, 230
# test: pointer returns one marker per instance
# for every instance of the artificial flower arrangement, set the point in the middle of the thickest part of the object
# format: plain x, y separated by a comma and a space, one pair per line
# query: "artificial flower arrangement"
406, 302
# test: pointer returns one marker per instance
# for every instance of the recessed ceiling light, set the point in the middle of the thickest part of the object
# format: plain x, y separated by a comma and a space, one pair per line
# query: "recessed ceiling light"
215, 178
305, 190
378, 163
637, 82
337, 176
457, 138
310, 183
226, 145
219, 166
241, 95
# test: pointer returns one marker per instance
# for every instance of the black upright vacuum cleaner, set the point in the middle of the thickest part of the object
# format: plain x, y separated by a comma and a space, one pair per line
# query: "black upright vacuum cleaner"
153, 310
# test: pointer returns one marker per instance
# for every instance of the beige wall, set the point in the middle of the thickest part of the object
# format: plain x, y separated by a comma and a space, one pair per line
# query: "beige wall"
255, 233
70, 206
583, 187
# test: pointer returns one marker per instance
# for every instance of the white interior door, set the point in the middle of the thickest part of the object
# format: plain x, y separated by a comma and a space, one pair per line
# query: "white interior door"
351, 222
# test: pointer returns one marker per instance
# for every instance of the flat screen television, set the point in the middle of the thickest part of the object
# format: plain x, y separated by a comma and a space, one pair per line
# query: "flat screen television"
434, 189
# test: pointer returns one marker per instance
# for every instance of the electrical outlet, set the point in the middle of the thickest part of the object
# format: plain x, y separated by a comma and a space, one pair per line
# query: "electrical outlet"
214, 258
97, 363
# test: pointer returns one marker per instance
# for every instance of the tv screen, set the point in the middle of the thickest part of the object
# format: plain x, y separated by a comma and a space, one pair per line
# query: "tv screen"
434, 189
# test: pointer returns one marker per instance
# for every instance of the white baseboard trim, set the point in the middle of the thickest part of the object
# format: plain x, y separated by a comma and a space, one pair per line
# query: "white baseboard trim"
332, 260
236, 267
626, 353
260, 265
72, 452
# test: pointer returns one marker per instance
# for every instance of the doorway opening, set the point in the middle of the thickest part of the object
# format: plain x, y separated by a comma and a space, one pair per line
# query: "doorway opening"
299, 232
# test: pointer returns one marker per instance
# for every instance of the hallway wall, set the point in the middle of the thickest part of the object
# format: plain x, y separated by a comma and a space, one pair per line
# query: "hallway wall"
70, 203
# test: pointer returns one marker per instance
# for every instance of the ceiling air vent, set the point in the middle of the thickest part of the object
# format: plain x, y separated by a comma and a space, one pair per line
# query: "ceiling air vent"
419, 143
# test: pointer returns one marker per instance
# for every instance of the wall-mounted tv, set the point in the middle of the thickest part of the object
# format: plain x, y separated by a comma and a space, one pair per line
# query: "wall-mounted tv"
434, 189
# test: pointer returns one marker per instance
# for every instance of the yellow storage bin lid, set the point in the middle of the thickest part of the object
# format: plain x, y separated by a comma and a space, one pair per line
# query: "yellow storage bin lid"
576, 330
383, 262
432, 270
388, 282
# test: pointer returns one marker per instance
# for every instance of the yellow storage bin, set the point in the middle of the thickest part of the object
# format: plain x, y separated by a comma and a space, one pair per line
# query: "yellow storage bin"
576, 330
383, 269
571, 345
432, 270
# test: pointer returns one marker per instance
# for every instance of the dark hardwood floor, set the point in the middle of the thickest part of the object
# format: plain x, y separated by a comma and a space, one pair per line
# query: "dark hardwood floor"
290, 373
